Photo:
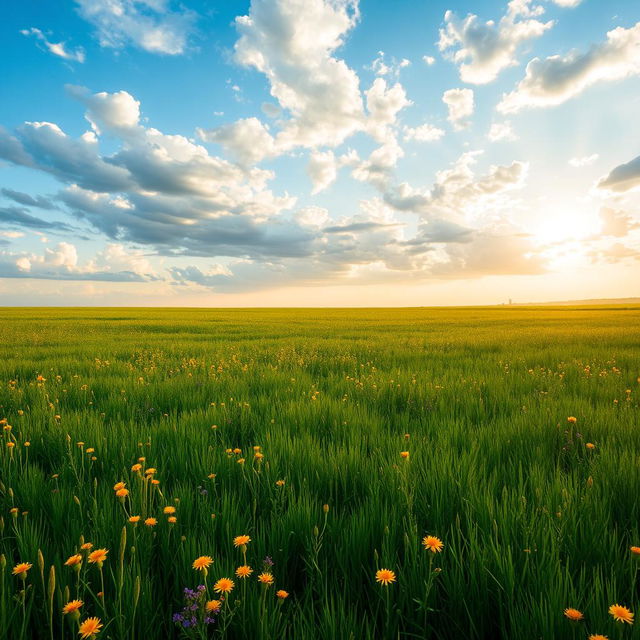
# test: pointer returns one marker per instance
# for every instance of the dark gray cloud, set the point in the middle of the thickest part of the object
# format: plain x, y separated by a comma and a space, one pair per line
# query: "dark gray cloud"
623, 178
19, 217
40, 202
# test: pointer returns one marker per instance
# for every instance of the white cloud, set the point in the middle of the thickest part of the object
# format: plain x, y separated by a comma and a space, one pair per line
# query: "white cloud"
423, 133
113, 112
247, 140
57, 48
624, 177
292, 42
460, 106
583, 161
501, 131
556, 79
568, 4
383, 104
322, 169
428, 60
616, 223
381, 67
483, 50
148, 24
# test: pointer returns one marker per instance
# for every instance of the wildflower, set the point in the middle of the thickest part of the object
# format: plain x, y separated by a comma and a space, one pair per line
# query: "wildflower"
282, 594
119, 485
635, 551
169, 510
74, 561
224, 585
172, 519
572, 420
202, 563
385, 577
266, 578
155, 482
433, 544
27, 444
213, 606
136, 467
598, 636
80, 444
90, 628
590, 445
73, 608
40, 378
134, 519
98, 557
10, 445
240, 460
151, 522
279, 483
211, 476
150, 471
86, 546
258, 456
241, 541
621, 614
404, 454
244, 571
573, 614
237, 451
21, 569
122, 493
325, 508
90, 450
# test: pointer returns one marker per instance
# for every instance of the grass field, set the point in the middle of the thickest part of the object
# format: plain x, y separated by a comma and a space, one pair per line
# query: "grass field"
537, 513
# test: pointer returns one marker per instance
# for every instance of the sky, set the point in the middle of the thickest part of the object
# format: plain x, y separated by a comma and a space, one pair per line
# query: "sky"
319, 152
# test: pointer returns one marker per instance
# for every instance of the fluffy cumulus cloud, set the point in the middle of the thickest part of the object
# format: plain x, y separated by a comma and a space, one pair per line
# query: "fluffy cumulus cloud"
501, 131
153, 25
483, 49
423, 133
460, 105
292, 42
623, 178
556, 79
59, 49
62, 263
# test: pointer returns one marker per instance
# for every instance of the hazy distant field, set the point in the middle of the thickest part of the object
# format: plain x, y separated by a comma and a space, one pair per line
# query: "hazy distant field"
533, 520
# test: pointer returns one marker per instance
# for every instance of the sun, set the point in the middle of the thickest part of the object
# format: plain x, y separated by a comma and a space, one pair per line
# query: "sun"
562, 225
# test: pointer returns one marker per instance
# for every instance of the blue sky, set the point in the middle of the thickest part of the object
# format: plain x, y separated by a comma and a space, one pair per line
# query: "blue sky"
319, 152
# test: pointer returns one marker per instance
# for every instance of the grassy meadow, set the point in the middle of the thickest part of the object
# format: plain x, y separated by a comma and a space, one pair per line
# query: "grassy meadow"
337, 440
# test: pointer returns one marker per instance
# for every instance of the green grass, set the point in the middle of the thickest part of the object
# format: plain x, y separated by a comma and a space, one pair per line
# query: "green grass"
532, 520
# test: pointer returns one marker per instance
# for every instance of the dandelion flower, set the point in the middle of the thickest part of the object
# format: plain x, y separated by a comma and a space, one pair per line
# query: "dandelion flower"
224, 585
150, 471
72, 607
151, 522
279, 483
213, 606
98, 557
172, 519
86, 546
134, 519
21, 569
598, 636
573, 614
169, 510
90, 628
119, 485
202, 563
266, 578
136, 467
404, 454
433, 544
635, 551
241, 541
244, 571
572, 420
621, 614
590, 445
385, 577
122, 493
282, 594
74, 561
